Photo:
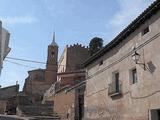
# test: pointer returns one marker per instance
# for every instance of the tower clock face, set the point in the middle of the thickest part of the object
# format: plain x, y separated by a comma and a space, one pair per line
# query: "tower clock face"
52, 54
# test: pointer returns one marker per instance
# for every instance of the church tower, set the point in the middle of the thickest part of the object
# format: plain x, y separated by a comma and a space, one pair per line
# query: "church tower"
52, 62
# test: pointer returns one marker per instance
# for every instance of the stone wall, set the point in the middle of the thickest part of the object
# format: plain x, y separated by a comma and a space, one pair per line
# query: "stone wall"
8, 95
37, 75
2, 106
137, 99
8, 92
72, 58
76, 55
51, 66
40, 80
36, 85
35, 78
36, 90
71, 78
64, 105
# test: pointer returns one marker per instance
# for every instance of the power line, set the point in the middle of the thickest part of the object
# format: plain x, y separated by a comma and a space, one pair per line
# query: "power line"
20, 64
125, 56
39, 62
25, 60
118, 61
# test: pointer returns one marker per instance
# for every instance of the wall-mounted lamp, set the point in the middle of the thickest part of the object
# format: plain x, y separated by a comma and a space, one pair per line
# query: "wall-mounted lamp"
136, 57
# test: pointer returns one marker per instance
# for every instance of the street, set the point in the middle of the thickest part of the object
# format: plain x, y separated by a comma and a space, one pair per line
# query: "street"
7, 118
14, 117
10, 117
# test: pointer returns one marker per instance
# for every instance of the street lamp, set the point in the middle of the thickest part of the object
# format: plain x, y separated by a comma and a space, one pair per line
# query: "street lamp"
136, 57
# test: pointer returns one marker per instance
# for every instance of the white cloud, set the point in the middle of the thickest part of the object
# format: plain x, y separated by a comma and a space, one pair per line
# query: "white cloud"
18, 19
129, 9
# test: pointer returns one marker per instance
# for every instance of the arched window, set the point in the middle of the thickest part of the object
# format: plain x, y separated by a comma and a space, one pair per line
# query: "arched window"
52, 54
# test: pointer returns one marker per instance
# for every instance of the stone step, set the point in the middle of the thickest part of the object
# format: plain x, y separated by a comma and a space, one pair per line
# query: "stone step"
34, 110
44, 118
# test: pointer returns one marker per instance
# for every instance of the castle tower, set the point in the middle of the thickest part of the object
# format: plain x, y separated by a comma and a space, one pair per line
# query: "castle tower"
52, 59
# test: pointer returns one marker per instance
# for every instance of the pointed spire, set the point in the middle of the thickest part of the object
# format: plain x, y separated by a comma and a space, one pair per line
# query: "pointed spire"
53, 41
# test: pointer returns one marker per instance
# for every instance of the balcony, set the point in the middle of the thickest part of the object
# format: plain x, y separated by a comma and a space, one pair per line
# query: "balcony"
115, 89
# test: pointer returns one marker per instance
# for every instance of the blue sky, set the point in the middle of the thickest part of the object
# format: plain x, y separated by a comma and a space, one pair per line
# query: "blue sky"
32, 23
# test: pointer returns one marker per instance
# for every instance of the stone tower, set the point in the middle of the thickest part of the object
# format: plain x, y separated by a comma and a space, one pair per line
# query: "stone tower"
52, 59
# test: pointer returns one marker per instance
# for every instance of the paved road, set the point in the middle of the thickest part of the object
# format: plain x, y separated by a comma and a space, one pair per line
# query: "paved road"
10, 117
7, 118
14, 117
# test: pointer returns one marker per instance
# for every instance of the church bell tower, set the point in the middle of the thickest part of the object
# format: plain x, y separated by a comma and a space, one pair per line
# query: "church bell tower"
52, 62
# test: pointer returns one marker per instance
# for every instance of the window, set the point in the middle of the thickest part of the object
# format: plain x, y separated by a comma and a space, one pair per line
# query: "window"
145, 30
155, 114
134, 76
52, 54
101, 62
117, 81
114, 86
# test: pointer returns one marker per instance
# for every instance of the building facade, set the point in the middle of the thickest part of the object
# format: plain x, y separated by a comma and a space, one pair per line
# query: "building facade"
69, 64
7, 99
122, 81
69, 105
4, 42
40, 80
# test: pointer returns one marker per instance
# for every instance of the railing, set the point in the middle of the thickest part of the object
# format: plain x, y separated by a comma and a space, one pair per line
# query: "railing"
115, 89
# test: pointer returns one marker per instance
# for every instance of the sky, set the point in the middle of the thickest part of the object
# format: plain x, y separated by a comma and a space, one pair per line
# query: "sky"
32, 23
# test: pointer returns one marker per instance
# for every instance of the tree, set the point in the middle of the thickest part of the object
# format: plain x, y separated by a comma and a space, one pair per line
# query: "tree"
95, 45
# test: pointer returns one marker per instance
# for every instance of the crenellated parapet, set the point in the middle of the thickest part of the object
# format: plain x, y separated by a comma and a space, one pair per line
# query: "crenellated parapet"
77, 45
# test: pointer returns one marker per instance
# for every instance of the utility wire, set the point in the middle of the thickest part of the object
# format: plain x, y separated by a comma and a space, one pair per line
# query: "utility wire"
88, 78
25, 60
125, 56
20, 64
33, 61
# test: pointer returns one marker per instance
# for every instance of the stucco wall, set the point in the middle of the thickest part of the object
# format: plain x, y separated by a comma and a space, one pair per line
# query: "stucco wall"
4, 41
137, 99
62, 61
64, 104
